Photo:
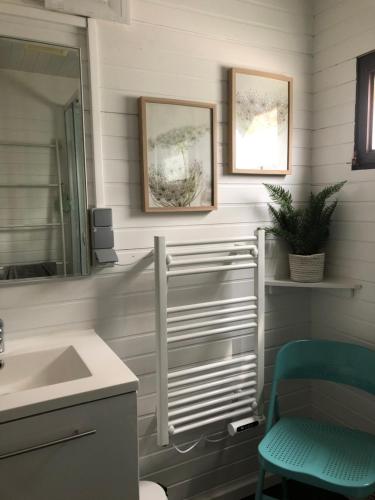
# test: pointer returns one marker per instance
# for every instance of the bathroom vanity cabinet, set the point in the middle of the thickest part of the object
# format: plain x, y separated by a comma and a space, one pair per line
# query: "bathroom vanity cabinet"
68, 420
83, 452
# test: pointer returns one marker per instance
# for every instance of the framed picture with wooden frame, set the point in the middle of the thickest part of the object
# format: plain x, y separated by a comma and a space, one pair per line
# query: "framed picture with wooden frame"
178, 155
260, 122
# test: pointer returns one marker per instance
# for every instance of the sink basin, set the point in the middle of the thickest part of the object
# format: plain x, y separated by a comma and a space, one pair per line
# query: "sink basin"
46, 372
41, 368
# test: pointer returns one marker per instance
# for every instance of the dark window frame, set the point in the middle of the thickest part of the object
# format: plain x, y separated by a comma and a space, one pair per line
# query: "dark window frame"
364, 156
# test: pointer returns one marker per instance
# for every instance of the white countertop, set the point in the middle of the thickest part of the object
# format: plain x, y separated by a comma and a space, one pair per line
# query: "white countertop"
109, 376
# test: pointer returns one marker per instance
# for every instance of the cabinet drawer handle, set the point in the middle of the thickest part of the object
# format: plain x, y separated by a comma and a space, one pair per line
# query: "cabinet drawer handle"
77, 435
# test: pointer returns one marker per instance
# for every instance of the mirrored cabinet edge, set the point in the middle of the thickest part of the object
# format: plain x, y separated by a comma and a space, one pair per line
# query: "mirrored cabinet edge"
44, 225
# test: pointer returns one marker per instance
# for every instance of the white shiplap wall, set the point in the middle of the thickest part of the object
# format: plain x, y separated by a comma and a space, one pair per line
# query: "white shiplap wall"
182, 50
344, 29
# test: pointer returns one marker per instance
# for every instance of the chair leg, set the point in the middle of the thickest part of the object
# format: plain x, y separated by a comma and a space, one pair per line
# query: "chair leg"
285, 488
260, 484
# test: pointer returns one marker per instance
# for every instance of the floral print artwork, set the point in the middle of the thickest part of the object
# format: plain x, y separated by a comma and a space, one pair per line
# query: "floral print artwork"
253, 103
179, 153
261, 122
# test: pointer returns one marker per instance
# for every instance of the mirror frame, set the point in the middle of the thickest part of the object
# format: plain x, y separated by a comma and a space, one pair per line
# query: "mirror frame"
112, 10
48, 279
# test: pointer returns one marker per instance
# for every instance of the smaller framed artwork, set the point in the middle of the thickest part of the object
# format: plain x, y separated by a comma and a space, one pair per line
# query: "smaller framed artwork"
260, 122
178, 154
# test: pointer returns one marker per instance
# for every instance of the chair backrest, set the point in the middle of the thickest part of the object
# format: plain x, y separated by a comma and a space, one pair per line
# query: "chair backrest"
338, 362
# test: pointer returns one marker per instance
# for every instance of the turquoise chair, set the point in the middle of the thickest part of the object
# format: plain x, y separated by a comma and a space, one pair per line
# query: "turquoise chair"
320, 454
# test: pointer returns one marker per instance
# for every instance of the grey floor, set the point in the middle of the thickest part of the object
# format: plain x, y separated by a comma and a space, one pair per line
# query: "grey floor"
298, 491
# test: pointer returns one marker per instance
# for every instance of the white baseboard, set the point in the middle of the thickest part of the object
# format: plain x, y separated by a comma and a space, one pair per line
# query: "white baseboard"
236, 490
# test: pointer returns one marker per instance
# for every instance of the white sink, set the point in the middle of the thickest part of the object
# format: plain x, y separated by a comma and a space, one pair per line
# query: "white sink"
56, 370
41, 368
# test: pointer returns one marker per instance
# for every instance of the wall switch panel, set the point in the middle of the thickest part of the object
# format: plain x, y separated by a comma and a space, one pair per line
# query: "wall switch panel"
102, 237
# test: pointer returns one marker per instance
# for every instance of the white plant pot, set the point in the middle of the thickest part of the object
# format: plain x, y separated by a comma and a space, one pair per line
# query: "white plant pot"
306, 268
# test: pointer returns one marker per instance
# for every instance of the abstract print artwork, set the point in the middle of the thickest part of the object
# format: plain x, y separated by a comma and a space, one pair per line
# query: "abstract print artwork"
259, 122
178, 153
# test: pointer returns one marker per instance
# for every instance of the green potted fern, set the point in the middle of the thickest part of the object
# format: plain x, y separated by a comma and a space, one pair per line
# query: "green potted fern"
305, 230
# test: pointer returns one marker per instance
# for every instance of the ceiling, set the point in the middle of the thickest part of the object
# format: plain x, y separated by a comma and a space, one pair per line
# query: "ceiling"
34, 57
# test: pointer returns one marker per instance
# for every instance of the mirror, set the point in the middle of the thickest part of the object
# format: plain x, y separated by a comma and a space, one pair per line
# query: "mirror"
43, 204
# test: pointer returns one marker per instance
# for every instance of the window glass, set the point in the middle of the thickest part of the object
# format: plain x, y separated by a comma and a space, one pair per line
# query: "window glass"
364, 148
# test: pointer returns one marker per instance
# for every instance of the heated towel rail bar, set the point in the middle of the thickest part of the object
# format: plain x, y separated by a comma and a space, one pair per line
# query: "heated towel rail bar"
223, 389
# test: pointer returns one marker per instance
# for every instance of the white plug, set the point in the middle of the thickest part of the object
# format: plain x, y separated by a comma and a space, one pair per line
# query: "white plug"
242, 425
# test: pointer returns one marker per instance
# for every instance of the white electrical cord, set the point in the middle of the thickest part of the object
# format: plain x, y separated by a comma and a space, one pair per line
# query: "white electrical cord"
190, 448
208, 439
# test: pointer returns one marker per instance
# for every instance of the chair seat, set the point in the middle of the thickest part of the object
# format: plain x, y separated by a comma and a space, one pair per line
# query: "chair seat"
321, 454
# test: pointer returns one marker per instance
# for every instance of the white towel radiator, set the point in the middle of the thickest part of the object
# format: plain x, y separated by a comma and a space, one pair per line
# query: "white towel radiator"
227, 388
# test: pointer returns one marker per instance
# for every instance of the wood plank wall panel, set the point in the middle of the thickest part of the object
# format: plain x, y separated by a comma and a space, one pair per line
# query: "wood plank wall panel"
183, 52
182, 49
343, 30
